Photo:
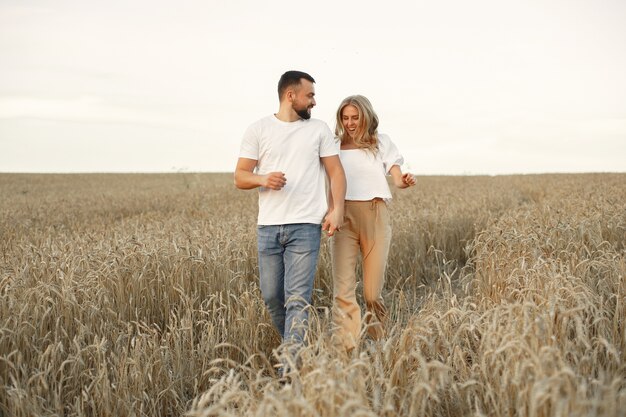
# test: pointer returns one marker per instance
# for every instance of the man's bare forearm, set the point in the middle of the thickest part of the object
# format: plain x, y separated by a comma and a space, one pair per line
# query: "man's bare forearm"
337, 178
337, 191
246, 180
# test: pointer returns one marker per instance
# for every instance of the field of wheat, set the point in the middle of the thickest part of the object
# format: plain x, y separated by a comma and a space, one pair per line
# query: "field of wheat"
137, 295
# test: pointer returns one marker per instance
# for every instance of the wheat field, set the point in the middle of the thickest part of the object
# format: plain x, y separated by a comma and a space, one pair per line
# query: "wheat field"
137, 295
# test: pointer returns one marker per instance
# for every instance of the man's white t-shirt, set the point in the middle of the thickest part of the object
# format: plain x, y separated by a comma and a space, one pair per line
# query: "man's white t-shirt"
294, 148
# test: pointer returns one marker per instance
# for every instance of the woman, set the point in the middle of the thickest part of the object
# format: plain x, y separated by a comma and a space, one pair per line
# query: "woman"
367, 157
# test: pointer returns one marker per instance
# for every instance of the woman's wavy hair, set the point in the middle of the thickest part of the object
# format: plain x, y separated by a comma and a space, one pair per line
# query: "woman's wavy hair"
366, 136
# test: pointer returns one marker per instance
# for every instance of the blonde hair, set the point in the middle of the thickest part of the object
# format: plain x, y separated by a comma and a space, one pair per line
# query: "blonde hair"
366, 136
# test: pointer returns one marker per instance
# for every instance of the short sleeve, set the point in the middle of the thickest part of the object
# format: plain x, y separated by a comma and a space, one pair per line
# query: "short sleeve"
329, 145
389, 153
250, 144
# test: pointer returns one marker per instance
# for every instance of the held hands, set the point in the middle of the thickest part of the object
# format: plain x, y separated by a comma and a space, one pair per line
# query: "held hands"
274, 180
333, 221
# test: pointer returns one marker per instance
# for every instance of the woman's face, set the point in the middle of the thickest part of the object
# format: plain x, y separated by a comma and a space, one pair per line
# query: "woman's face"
350, 119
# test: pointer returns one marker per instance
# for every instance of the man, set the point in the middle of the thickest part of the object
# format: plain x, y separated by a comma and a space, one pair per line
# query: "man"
286, 156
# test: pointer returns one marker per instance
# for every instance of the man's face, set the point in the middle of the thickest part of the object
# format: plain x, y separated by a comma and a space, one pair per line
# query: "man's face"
304, 99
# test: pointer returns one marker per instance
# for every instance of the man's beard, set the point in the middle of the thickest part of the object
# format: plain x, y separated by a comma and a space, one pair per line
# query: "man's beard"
303, 113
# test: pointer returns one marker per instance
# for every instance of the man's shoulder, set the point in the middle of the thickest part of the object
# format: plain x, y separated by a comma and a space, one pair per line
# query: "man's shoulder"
262, 121
258, 127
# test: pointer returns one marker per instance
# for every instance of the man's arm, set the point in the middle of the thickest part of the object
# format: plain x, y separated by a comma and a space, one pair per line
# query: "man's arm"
246, 179
334, 170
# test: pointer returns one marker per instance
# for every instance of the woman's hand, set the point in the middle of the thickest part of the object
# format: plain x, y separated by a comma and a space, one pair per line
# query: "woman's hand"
332, 221
401, 180
408, 180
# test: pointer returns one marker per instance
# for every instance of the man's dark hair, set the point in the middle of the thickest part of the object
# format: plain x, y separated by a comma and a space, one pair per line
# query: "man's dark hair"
291, 78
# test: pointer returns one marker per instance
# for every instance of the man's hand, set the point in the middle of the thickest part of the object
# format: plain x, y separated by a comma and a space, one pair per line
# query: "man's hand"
333, 221
246, 179
274, 180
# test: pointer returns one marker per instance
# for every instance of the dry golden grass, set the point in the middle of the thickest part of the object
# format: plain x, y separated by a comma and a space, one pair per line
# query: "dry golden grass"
137, 295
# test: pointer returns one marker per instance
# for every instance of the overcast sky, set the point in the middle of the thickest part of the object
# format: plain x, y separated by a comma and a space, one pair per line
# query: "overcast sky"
462, 87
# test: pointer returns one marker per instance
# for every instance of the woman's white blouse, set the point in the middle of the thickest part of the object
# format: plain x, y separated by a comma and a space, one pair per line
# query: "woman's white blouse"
366, 171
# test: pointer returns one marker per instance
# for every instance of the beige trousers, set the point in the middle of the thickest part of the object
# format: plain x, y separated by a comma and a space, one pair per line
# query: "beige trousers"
366, 230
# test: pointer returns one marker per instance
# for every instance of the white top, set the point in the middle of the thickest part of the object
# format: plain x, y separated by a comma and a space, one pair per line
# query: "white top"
294, 148
366, 172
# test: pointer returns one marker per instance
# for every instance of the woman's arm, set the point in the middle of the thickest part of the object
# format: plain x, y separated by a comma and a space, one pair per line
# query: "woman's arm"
401, 180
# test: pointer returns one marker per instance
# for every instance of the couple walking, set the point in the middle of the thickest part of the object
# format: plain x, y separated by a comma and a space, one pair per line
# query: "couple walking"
288, 156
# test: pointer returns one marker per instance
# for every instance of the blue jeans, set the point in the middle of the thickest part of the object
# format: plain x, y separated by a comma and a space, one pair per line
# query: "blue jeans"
287, 260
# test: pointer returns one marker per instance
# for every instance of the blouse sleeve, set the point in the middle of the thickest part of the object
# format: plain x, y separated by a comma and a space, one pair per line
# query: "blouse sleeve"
389, 153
